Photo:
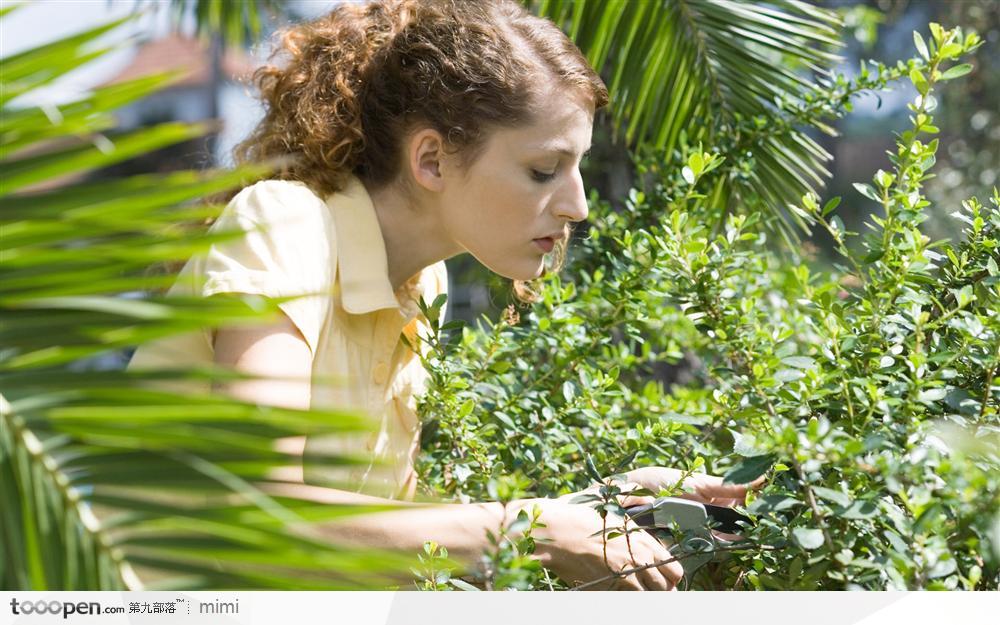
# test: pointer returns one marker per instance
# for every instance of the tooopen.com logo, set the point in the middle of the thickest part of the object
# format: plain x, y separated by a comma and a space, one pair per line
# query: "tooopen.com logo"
66, 608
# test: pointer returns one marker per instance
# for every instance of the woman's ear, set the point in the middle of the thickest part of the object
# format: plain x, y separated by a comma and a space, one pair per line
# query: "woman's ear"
424, 155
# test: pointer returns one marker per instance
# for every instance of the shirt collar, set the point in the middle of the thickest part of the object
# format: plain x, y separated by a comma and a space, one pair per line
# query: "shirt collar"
361, 255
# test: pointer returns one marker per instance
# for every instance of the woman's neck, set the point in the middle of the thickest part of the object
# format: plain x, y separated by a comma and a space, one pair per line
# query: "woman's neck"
413, 234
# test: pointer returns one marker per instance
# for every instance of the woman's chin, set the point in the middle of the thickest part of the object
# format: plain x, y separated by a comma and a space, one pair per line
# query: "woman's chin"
524, 272
536, 272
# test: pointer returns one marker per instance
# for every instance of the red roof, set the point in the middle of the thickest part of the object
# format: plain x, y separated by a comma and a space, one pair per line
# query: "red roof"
178, 52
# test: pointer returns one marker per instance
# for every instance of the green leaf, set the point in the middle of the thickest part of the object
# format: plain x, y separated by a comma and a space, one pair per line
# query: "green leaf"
829, 494
837, 225
921, 46
956, 71
773, 503
918, 80
21, 172
788, 375
937, 32
592, 468
506, 420
749, 469
741, 447
807, 538
950, 50
799, 362
23, 127
38, 66
964, 295
867, 191
859, 509
944, 567
932, 395
831, 205
873, 256
696, 163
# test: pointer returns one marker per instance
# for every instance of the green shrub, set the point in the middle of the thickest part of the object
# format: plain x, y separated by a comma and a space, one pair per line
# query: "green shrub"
866, 392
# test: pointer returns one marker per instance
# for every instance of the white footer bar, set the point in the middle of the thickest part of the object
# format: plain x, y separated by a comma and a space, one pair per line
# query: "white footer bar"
499, 608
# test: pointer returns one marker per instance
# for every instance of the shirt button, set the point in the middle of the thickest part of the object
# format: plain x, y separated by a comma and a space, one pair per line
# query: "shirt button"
380, 373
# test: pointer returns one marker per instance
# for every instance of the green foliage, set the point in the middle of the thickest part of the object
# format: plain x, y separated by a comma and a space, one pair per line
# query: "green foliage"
866, 393
434, 570
507, 563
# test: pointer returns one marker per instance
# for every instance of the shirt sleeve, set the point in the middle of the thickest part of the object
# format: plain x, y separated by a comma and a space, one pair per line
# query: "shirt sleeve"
288, 249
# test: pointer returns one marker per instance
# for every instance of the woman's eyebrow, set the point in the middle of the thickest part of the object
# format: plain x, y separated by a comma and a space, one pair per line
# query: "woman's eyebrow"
563, 150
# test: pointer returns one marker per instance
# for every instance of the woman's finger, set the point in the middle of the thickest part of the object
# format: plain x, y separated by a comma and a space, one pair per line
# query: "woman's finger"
653, 579
629, 582
672, 571
657, 577
628, 501
712, 489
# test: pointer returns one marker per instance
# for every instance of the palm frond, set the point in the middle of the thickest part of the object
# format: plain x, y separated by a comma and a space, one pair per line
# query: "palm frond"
689, 71
107, 481
235, 23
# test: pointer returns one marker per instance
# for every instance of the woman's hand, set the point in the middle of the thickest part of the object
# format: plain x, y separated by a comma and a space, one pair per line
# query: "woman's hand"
699, 486
576, 548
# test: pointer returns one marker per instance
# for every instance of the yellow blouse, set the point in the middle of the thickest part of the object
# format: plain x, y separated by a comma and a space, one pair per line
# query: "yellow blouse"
296, 242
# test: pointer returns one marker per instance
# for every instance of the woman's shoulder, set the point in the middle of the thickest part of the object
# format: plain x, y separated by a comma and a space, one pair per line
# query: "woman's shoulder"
279, 201
287, 231
277, 186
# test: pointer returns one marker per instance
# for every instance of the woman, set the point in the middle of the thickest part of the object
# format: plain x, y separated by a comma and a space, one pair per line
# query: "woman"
417, 130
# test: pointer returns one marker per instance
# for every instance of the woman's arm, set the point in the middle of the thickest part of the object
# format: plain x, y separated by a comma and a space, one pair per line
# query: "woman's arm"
280, 350
574, 548
276, 351
571, 542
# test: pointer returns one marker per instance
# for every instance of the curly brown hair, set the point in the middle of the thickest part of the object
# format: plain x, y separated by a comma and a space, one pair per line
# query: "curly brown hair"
357, 80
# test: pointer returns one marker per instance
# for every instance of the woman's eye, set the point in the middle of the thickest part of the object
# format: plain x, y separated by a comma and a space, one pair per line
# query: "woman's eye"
541, 176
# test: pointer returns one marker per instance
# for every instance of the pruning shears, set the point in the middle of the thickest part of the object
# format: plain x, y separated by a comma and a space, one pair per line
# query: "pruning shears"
697, 544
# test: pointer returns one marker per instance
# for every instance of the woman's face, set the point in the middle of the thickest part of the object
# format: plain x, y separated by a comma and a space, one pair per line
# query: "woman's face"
519, 196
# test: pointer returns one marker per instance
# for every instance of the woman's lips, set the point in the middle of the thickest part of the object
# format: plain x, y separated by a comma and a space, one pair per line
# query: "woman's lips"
545, 244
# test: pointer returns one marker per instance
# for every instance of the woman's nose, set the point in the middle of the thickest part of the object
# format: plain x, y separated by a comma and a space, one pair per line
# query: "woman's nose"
572, 203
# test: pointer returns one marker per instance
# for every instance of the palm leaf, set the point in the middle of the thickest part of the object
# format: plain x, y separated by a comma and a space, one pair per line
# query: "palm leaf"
41, 65
234, 22
106, 480
682, 72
